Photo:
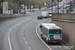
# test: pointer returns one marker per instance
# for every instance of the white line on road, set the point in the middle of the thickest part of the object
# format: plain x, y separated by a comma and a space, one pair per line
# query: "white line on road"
26, 42
23, 37
29, 48
40, 37
10, 32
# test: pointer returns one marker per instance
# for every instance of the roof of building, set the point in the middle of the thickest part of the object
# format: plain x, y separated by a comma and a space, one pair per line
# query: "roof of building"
50, 26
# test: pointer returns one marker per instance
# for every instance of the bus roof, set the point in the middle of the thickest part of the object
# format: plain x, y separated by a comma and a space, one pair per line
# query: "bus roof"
50, 26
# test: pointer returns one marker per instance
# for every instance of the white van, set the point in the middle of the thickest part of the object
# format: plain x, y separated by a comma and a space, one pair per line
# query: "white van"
46, 14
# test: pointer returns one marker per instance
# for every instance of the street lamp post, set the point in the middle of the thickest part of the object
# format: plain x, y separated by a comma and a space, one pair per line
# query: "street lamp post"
63, 6
71, 5
52, 5
58, 6
30, 5
17, 4
10, 6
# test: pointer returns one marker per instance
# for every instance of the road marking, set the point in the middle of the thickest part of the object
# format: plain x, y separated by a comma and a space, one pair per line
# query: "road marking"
23, 37
40, 37
26, 42
10, 32
29, 48
0, 28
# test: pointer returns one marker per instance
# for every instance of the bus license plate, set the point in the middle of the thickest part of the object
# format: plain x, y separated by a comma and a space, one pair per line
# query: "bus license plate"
56, 36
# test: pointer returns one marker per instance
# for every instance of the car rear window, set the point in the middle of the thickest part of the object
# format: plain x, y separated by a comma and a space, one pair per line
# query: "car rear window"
55, 31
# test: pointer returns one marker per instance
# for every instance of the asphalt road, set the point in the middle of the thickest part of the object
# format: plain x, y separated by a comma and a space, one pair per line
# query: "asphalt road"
19, 33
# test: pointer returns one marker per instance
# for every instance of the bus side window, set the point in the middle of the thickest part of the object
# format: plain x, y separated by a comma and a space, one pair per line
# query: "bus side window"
40, 26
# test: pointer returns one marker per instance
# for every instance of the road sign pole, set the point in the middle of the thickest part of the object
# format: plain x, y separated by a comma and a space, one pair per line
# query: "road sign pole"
26, 10
63, 6
58, 6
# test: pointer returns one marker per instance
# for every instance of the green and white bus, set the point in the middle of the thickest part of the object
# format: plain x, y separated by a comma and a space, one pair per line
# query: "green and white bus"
51, 32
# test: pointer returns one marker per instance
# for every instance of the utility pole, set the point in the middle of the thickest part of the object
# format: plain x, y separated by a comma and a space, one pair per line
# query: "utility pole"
55, 5
63, 5
17, 4
30, 5
26, 9
58, 6
10, 5
71, 5
52, 5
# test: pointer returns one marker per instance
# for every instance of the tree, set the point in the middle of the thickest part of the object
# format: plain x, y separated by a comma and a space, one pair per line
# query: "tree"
36, 3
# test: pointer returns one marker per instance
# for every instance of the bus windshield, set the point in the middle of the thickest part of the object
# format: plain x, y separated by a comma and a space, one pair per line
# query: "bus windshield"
58, 31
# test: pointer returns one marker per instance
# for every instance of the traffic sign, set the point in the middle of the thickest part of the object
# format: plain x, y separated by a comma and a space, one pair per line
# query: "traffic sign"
23, 5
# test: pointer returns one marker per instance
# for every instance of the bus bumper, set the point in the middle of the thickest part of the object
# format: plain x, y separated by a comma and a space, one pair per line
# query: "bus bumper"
54, 41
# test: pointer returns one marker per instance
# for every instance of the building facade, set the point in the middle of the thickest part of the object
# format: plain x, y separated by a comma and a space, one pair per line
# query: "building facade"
4, 6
